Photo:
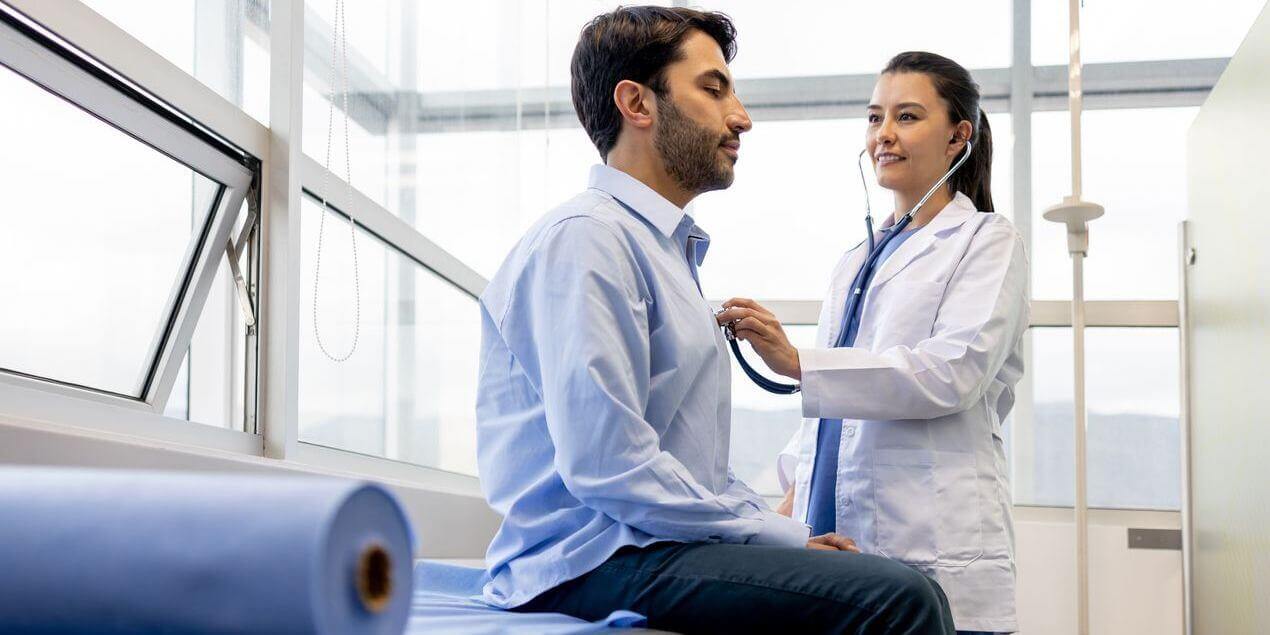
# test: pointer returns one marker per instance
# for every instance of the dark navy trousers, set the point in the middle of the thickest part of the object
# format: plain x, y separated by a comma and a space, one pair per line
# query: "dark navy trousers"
727, 588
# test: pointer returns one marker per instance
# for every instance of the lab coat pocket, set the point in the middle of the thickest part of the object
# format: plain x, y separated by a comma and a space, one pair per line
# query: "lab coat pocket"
959, 508
905, 499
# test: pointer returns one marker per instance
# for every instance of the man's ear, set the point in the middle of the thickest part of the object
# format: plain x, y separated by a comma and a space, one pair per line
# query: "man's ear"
635, 102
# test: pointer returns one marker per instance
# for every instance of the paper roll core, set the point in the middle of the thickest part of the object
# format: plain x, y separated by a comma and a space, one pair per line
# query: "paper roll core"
374, 578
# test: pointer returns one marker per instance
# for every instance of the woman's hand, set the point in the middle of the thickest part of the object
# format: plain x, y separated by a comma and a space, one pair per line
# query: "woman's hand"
756, 325
832, 542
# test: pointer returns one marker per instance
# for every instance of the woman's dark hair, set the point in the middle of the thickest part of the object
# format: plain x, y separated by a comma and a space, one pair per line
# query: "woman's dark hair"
955, 86
637, 44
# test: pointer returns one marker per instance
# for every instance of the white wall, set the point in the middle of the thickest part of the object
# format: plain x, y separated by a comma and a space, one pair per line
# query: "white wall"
1131, 591
1228, 309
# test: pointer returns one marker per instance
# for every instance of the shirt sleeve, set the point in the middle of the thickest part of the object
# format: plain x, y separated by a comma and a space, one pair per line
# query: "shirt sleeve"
578, 324
777, 529
981, 318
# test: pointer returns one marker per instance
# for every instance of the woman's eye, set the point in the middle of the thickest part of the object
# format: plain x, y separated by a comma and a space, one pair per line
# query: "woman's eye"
874, 118
714, 91
907, 117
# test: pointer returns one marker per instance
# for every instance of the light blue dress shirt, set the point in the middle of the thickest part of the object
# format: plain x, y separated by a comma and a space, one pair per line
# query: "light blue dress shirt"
603, 404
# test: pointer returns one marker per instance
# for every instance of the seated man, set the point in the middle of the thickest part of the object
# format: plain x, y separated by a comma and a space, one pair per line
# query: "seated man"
603, 403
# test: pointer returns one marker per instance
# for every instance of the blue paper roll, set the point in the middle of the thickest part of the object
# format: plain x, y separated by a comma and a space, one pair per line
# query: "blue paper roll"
106, 551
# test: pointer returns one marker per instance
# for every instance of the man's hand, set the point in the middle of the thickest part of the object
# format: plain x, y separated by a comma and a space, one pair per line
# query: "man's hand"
759, 327
833, 542
786, 508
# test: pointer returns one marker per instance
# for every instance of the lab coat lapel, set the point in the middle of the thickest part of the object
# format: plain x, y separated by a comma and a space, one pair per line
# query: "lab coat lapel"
948, 220
844, 275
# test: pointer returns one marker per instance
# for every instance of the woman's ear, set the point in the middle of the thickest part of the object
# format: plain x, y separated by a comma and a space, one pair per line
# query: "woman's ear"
634, 102
962, 133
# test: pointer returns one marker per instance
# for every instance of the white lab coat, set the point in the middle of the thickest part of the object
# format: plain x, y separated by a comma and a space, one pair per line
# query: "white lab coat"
922, 468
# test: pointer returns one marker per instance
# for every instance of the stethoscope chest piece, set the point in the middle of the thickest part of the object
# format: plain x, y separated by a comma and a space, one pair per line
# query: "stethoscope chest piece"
775, 387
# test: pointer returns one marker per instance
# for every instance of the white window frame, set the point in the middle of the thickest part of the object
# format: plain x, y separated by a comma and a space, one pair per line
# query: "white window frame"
31, 406
25, 54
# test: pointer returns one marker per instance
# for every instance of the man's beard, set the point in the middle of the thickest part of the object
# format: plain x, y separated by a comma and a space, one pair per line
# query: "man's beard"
689, 151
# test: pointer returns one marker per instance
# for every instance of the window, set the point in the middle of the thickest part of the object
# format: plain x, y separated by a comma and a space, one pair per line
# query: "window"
827, 38
113, 253
224, 44
763, 423
805, 213
1133, 433
114, 244
451, 132
408, 392
1179, 30
1134, 165
217, 382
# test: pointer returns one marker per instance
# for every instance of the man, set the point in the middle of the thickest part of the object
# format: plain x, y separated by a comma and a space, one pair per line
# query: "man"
603, 406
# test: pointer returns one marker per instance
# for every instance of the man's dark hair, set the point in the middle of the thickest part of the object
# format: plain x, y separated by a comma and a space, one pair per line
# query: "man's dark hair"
637, 44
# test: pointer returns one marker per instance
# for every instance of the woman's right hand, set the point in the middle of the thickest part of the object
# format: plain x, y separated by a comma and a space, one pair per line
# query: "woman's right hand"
753, 323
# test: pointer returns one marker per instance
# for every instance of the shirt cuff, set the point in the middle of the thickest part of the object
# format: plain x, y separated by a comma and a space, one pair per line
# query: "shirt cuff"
781, 531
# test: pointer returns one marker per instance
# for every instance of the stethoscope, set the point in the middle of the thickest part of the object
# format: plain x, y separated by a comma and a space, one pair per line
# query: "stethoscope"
875, 250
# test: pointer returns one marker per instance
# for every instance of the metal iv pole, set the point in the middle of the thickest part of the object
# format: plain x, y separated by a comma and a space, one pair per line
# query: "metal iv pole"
1076, 214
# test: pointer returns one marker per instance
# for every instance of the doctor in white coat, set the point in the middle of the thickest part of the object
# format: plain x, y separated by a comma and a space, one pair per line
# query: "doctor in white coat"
904, 395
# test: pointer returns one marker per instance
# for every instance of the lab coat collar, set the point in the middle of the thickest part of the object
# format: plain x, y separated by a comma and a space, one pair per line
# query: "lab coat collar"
640, 199
951, 217
958, 210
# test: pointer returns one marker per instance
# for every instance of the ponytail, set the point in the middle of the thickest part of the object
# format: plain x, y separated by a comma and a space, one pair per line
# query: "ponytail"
974, 179
955, 86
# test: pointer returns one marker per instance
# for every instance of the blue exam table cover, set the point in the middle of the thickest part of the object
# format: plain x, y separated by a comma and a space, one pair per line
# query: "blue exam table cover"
447, 599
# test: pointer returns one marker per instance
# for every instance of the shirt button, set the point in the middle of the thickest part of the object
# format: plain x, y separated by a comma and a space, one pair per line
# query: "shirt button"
851, 431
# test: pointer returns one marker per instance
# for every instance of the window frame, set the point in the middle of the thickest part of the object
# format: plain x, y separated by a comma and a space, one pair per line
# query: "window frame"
36, 55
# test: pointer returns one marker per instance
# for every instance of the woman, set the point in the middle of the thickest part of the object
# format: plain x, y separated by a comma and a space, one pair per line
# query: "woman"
906, 390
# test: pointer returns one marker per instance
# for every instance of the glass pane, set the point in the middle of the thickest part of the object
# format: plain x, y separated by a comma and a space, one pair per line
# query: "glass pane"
762, 423
96, 242
1133, 438
785, 222
803, 37
1177, 30
448, 131
408, 392
415, 148
1135, 167
498, 181
367, 158
222, 43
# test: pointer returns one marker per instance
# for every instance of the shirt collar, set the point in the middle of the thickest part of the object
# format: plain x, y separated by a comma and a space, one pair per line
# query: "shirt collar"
640, 198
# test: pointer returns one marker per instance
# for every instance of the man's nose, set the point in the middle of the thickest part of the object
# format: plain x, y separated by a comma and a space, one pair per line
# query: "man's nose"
738, 120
